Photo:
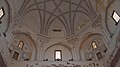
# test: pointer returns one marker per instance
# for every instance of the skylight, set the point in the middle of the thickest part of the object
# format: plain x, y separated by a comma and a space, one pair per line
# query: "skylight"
115, 17
1, 13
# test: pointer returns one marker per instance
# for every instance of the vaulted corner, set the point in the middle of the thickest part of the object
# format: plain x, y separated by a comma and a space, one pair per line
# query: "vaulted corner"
22, 47
72, 17
65, 55
93, 47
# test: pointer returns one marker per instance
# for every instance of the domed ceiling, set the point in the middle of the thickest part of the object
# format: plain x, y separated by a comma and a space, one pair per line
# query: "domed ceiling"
56, 17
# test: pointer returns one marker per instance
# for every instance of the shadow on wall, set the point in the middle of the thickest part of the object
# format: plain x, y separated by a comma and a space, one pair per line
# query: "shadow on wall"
2, 63
115, 59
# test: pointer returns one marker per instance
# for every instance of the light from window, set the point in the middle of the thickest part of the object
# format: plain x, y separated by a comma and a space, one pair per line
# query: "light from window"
58, 55
115, 17
1, 13
94, 45
21, 44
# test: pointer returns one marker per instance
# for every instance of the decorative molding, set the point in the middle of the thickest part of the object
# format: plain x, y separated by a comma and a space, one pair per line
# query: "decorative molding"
17, 21
72, 40
42, 39
97, 21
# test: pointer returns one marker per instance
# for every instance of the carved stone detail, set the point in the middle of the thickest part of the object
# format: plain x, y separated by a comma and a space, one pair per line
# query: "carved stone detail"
17, 21
43, 39
73, 40
97, 21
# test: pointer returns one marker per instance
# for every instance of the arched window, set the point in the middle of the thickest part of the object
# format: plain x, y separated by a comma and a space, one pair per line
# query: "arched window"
21, 44
94, 45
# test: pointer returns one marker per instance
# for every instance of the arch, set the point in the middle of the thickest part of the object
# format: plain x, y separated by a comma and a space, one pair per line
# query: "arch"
89, 36
65, 24
57, 17
57, 24
89, 52
61, 44
29, 39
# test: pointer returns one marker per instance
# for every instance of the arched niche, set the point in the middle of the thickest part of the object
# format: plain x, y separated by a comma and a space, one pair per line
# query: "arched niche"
93, 47
28, 50
66, 52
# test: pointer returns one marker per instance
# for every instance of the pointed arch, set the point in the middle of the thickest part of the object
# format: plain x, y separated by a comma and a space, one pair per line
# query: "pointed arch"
60, 44
27, 38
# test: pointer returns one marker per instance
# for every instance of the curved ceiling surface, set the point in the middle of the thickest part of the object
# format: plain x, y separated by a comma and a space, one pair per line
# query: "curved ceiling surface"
41, 16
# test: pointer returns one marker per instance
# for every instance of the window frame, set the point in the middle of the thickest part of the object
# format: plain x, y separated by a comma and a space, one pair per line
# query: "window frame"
20, 44
60, 55
93, 45
99, 55
14, 56
116, 23
3, 12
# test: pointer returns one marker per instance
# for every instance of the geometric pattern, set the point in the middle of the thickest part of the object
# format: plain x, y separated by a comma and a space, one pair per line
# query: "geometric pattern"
68, 12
